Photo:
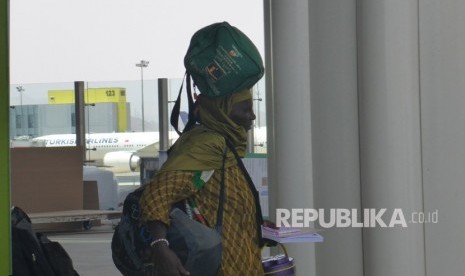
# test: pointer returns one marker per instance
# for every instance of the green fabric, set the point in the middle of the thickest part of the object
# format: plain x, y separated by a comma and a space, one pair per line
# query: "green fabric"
202, 147
199, 149
5, 233
197, 181
214, 114
222, 60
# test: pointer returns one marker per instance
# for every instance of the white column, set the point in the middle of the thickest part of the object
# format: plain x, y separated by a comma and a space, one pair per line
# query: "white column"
390, 138
335, 140
288, 115
442, 40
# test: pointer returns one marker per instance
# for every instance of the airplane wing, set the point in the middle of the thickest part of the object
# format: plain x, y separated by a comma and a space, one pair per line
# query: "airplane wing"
150, 151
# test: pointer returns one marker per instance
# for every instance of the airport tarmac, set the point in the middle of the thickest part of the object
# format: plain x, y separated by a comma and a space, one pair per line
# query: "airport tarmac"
89, 249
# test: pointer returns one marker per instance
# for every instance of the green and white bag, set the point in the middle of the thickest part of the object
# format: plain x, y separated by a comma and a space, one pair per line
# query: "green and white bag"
222, 60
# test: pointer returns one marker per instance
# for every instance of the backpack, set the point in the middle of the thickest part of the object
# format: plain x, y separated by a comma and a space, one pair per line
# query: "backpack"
221, 60
33, 253
130, 244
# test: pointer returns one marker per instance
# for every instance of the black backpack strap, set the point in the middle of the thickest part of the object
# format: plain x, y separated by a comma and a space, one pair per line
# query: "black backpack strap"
258, 209
219, 214
177, 107
191, 116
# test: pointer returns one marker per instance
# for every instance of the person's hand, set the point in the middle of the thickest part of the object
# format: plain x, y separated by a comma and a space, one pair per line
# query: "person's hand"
166, 262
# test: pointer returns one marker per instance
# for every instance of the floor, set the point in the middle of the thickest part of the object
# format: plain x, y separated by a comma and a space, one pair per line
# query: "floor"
89, 249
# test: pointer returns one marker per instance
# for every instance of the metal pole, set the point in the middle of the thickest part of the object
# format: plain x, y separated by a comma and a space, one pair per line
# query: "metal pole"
23, 120
258, 99
163, 120
142, 96
20, 90
142, 64
80, 117
250, 141
88, 106
251, 136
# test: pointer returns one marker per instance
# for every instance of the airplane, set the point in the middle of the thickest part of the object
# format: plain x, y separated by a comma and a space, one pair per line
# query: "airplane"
117, 152
120, 152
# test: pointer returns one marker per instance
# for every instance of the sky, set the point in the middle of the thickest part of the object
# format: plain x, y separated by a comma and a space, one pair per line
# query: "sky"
56, 42
102, 40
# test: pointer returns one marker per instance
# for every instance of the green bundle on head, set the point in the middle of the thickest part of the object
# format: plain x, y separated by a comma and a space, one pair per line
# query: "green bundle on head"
223, 60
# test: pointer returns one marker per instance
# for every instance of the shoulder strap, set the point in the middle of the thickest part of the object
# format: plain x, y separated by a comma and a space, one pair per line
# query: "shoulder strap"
219, 214
258, 209
177, 106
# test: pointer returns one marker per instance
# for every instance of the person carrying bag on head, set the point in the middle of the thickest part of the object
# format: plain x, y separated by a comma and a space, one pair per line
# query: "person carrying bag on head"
194, 170
204, 167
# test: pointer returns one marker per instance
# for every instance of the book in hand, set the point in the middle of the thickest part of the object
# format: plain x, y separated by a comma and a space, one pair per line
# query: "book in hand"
291, 234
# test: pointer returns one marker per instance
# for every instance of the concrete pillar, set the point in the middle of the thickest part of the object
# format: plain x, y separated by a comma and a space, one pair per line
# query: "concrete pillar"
390, 138
324, 121
442, 40
335, 139
288, 115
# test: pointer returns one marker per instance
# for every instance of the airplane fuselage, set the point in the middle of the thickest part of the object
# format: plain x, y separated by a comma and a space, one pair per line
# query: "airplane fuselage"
99, 144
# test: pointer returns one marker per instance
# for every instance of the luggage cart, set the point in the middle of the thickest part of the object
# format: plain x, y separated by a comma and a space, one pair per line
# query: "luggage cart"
84, 216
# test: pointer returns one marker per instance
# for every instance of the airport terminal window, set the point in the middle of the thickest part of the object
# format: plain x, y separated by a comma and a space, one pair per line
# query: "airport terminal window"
18, 121
31, 120
73, 119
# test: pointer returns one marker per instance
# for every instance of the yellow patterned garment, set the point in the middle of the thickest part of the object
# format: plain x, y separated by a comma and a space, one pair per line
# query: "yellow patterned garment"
241, 253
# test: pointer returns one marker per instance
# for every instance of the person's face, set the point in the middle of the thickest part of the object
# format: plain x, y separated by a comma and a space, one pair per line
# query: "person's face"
242, 114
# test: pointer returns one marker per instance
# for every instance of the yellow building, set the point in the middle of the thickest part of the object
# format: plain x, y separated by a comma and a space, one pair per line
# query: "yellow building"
115, 95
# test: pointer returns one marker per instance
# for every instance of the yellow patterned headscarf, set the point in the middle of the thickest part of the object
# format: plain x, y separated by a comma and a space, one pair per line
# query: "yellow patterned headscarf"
202, 147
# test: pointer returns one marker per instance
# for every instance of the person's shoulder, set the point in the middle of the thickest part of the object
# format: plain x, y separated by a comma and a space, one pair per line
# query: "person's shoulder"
211, 136
163, 175
208, 136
